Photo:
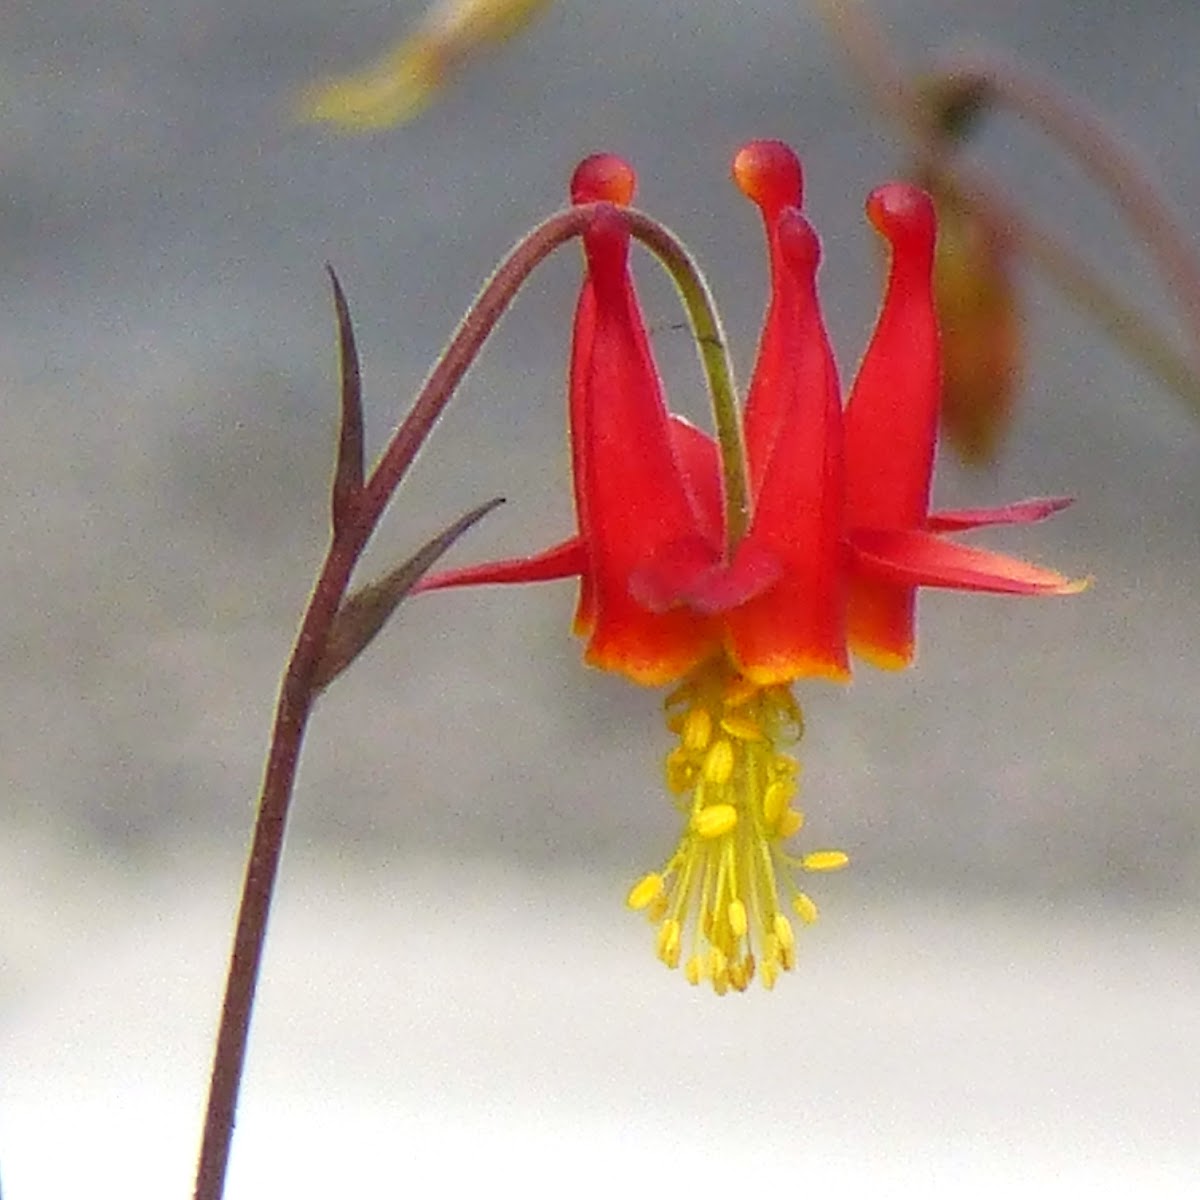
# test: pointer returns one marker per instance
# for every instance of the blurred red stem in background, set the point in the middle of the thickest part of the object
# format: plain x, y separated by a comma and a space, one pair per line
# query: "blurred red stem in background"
1105, 155
901, 100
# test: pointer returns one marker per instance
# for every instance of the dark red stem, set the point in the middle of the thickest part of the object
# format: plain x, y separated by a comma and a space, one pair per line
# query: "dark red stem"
298, 691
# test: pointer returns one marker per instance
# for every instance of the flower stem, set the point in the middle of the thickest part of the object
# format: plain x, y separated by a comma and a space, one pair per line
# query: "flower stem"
481, 318
353, 529
295, 703
714, 358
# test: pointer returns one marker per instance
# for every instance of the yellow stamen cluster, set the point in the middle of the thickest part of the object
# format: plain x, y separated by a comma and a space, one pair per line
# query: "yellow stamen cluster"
716, 901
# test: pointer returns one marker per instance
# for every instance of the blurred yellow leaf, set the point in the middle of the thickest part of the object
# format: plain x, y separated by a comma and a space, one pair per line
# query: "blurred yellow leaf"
400, 84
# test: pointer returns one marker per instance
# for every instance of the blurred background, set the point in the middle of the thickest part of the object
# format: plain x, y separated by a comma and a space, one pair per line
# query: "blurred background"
1002, 992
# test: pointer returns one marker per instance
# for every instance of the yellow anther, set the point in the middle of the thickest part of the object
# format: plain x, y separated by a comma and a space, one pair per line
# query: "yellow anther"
714, 821
775, 801
643, 893
784, 766
790, 822
738, 691
697, 730
770, 950
718, 762
742, 727
825, 860
718, 963
804, 907
719, 893
681, 772
668, 942
782, 928
739, 975
789, 711
786, 940
719, 974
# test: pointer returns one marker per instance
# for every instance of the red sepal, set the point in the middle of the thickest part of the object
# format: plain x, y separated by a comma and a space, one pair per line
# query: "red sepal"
923, 559
558, 562
1022, 512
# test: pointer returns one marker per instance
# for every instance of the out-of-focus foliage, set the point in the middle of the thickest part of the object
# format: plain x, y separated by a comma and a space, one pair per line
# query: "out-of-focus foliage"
400, 84
980, 328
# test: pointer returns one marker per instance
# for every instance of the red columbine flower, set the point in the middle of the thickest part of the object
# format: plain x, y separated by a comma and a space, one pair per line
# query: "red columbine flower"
891, 429
733, 602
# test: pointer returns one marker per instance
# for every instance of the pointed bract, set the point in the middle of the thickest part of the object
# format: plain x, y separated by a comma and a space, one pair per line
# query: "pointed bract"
348, 470
364, 613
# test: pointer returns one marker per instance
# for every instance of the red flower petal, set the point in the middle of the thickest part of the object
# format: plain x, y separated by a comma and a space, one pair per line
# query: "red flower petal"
881, 620
603, 177
700, 461
891, 417
769, 174
797, 626
685, 574
891, 564
599, 177
632, 496
582, 341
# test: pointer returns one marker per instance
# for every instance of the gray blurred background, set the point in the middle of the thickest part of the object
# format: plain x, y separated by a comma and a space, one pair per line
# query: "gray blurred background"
1003, 990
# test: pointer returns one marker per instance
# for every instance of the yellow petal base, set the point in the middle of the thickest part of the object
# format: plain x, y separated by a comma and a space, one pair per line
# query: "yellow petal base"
717, 900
